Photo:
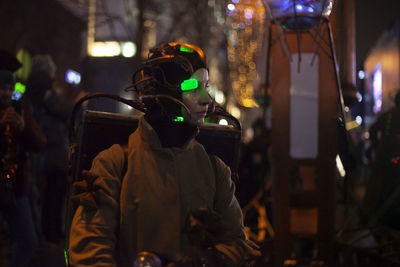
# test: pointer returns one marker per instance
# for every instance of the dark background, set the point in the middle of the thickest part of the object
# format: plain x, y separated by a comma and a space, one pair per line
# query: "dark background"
372, 18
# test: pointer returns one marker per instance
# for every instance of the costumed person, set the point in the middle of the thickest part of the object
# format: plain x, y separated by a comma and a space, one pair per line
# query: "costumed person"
163, 193
19, 135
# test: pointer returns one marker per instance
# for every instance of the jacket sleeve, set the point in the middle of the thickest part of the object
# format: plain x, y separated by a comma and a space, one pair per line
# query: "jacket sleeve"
93, 233
233, 243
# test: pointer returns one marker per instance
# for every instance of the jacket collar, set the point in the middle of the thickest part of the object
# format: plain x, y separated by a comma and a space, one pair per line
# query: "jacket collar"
152, 139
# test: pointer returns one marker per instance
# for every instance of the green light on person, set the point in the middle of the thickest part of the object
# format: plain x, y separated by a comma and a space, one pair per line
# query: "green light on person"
189, 84
185, 49
178, 119
66, 257
19, 87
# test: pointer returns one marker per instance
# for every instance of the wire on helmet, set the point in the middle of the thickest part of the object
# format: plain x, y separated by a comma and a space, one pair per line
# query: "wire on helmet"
166, 68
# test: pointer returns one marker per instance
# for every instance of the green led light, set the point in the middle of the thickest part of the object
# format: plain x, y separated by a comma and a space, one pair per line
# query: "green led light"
189, 84
178, 119
66, 257
185, 49
19, 87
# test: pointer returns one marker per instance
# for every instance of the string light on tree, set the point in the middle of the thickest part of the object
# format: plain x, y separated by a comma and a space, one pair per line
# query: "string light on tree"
246, 18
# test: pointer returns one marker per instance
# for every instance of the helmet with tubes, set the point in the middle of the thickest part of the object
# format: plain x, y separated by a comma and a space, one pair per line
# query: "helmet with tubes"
166, 75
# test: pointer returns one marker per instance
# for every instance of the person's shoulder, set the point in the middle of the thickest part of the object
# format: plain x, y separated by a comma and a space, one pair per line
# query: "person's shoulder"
111, 160
114, 155
115, 151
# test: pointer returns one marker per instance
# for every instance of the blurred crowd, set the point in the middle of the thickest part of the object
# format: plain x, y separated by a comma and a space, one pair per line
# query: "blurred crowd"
34, 157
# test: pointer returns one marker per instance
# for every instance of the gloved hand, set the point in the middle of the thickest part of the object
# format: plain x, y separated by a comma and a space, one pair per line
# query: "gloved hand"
84, 191
203, 227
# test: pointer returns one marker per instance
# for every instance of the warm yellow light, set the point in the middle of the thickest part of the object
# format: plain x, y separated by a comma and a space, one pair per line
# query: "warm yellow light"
219, 97
340, 166
249, 89
351, 125
242, 69
249, 103
252, 65
235, 112
104, 49
244, 41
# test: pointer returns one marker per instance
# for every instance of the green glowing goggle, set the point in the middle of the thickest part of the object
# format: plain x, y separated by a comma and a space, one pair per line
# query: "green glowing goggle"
185, 49
189, 84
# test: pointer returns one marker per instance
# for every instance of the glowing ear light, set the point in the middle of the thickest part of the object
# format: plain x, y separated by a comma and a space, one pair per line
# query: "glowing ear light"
189, 84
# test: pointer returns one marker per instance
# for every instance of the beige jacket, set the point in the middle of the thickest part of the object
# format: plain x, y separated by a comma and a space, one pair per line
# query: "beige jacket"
148, 207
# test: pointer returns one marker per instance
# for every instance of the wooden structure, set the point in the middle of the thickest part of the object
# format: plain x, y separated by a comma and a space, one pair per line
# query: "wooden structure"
303, 183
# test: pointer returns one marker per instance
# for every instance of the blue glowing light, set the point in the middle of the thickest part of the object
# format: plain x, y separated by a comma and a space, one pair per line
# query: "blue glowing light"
235, 1
72, 77
300, 14
241, 25
377, 88
16, 96
359, 120
361, 74
359, 97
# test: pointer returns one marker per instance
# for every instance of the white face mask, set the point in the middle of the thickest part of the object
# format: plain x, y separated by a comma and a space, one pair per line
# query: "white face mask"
197, 100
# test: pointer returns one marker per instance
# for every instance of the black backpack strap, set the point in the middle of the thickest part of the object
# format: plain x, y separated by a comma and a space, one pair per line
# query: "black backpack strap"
125, 149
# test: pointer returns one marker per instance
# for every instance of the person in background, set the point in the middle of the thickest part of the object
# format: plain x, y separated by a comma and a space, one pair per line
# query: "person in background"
52, 110
165, 194
383, 189
19, 136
